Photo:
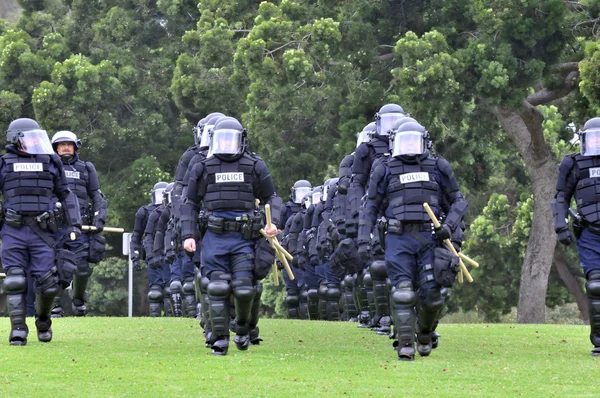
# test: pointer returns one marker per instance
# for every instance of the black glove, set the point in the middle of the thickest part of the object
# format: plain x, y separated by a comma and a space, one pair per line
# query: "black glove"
170, 256
364, 250
343, 187
565, 237
443, 232
99, 226
136, 264
155, 262
457, 246
74, 233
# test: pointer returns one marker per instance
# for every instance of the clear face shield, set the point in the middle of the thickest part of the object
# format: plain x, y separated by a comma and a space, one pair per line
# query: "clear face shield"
226, 142
204, 136
35, 142
300, 193
157, 197
198, 134
387, 121
407, 143
363, 136
316, 197
325, 192
590, 142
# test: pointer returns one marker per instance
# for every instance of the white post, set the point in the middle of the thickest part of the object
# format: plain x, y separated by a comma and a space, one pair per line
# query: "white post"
126, 239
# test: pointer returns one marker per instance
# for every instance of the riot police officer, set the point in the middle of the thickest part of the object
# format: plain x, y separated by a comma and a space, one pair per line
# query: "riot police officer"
227, 184
292, 299
578, 176
88, 248
155, 282
399, 186
32, 178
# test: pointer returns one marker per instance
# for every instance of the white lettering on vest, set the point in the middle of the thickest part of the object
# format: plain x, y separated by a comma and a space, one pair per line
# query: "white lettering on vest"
413, 177
229, 177
28, 167
72, 174
595, 172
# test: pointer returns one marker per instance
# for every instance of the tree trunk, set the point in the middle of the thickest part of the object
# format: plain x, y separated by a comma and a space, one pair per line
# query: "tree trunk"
572, 285
524, 126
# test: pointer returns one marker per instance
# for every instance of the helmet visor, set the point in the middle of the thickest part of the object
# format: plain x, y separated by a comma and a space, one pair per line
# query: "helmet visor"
590, 143
363, 136
316, 197
158, 196
300, 193
325, 191
226, 142
387, 121
35, 142
307, 202
407, 143
204, 139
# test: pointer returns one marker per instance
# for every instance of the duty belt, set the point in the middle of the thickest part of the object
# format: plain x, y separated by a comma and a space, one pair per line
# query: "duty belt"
398, 227
221, 225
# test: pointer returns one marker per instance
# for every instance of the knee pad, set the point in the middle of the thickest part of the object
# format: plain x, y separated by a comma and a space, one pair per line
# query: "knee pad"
259, 289
313, 294
83, 269
219, 288
404, 294
47, 282
333, 291
204, 281
15, 281
155, 294
243, 289
175, 286
167, 291
303, 295
322, 291
432, 299
592, 286
349, 281
378, 270
292, 301
367, 280
188, 286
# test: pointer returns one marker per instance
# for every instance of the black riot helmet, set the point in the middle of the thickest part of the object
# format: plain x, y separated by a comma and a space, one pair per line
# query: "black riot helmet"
157, 192
167, 193
27, 135
300, 189
327, 185
197, 131
228, 139
589, 137
366, 133
409, 141
211, 119
387, 117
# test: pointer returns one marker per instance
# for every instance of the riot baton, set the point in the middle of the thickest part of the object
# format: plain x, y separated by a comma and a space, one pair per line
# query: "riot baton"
448, 244
281, 253
2, 275
274, 265
106, 229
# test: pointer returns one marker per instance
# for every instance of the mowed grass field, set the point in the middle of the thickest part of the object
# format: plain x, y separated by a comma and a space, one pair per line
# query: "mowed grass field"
166, 357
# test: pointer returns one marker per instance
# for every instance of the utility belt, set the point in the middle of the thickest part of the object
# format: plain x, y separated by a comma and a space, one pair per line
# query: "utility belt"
248, 225
49, 221
593, 228
397, 227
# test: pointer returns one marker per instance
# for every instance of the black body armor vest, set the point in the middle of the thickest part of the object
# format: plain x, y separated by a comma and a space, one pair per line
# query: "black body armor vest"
410, 186
587, 192
28, 184
229, 185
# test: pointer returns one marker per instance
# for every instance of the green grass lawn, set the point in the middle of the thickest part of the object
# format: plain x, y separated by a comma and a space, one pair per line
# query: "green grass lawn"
166, 357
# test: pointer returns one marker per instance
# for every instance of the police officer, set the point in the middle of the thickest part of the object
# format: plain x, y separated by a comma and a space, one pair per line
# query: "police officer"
399, 186
578, 176
83, 182
157, 260
32, 178
182, 269
292, 299
227, 184
155, 282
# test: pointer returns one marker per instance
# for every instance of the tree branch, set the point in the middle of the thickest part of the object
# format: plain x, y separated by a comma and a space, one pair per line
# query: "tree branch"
384, 57
564, 68
544, 96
